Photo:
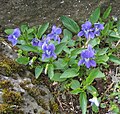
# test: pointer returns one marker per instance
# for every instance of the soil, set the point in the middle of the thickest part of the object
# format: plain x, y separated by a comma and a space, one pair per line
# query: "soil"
34, 12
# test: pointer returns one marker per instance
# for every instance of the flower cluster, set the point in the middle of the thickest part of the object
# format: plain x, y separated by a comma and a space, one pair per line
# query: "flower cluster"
48, 51
48, 48
39, 43
56, 31
90, 32
14, 36
87, 57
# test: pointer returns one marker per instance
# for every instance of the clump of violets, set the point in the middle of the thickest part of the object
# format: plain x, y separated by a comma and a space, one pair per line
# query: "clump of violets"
87, 57
48, 51
87, 30
56, 31
14, 36
90, 32
47, 47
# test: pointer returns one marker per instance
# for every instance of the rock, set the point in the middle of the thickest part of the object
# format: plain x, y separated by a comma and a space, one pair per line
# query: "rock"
19, 92
6, 49
14, 13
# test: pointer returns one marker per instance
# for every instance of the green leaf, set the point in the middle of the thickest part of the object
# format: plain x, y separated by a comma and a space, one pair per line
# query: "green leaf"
9, 31
94, 73
92, 90
83, 102
42, 29
105, 31
67, 50
57, 78
76, 51
94, 42
28, 48
50, 71
102, 59
112, 39
67, 35
71, 43
103, 105
75, 84
98, 73
114, 59
107, 12
95, 108
59, 48
95, 16
114, 108
72, 61
38, 71
23, 60
30, 36
31, 30
60, 64
24, 28
114, 94
70, 24
102, 51
118, 26
70, 73
114, 35
76, 91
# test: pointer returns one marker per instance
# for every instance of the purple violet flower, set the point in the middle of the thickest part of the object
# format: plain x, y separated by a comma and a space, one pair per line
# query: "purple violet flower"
14, 36
87, 57
48, 51
36, 42
87, 30
98, 27
56, 31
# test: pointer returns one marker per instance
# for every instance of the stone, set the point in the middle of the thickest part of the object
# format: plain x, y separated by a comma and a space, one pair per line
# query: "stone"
35, 12
18, 90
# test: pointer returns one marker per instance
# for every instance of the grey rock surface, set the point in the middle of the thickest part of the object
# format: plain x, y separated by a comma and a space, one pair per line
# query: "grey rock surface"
36, 98
16, 12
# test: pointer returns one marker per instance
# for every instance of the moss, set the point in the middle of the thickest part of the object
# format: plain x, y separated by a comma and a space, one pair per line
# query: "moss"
54, 106
34, 80
9, 109
23, 84
5, 84
5, 108
7, 66
36, 93
41, 102
12, 97
42, 112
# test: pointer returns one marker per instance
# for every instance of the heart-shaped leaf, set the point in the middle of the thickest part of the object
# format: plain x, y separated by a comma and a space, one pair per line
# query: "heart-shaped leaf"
70, 73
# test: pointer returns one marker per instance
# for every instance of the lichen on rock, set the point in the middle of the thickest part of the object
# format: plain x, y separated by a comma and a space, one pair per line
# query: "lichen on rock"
20, 92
